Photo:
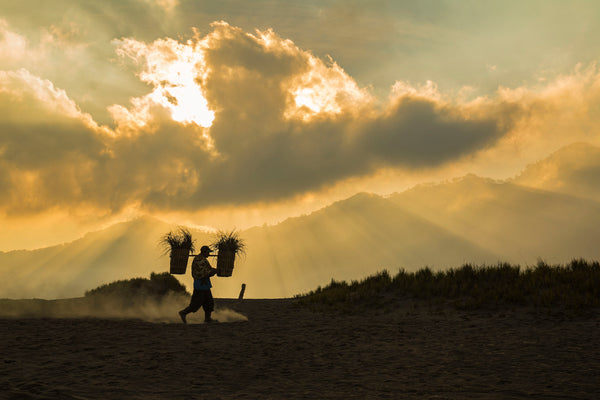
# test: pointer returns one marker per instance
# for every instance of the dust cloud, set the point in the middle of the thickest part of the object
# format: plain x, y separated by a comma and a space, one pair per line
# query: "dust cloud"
163, 310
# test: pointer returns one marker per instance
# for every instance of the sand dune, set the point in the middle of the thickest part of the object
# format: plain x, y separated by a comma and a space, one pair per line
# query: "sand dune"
280, 351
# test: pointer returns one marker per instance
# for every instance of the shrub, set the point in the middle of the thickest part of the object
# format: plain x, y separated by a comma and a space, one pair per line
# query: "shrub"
158, 286
574, 286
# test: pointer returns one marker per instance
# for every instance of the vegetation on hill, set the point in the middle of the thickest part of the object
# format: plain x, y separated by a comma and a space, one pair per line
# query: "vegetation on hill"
575, 286
157, 287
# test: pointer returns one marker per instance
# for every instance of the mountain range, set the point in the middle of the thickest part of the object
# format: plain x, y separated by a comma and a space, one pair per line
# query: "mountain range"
550, 211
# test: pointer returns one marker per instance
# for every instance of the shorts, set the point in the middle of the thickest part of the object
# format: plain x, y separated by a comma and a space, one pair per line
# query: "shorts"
201, 298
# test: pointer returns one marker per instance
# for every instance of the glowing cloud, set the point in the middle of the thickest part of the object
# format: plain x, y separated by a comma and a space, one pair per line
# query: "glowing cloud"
13, 47
174, 69
237, 118
325, 89
167, 5
54, 104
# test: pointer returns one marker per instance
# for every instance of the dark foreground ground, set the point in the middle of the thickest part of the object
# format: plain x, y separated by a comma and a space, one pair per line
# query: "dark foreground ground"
285, 352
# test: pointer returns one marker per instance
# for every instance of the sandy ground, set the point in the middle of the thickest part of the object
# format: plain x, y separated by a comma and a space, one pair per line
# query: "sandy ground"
284, 352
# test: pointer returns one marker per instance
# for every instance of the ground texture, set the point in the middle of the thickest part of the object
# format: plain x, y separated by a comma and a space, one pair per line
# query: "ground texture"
286, 352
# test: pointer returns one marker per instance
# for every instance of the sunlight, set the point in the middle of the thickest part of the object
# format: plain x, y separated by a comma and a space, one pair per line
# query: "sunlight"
325, 89
188, 105
175, 69
313, 100
180, 93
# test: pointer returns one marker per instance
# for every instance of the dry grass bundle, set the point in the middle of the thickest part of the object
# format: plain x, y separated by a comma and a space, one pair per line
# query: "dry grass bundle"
179, 244
229, 244
180, 239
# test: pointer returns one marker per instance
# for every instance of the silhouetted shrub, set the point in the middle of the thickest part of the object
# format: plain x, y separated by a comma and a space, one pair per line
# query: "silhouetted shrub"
155, 288
574, 286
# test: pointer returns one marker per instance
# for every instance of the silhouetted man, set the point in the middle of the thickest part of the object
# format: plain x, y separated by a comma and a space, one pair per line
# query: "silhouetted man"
202, 296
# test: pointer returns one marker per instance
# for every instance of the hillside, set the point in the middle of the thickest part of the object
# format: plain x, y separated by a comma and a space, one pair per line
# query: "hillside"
122, 251
466, 220
572, 170
522, 224
346, 240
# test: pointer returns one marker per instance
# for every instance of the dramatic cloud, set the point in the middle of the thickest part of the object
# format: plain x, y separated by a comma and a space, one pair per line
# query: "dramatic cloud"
557, 112
13, 47
235, 118
573, 170
285, 122
47, 145
174, 69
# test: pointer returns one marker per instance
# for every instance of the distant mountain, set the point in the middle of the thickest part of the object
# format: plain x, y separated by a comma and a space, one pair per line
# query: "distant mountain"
347, 240
520, 223
122, 251
467, 220
572, 170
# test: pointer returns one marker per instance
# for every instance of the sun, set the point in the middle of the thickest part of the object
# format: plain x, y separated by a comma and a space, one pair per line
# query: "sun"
175, 70
188, 105
180, 93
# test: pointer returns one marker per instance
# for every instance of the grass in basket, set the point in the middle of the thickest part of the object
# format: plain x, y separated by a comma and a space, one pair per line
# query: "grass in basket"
180, 239
229, 241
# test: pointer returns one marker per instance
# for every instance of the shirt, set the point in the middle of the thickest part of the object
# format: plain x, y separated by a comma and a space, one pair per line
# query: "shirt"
201, 272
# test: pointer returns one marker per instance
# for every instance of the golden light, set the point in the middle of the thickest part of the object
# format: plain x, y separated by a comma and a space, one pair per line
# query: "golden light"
188, 105
178, 90
314, 100
174, 69
325, 89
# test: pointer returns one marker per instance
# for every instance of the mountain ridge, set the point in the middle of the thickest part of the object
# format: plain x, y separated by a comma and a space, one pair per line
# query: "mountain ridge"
469, 219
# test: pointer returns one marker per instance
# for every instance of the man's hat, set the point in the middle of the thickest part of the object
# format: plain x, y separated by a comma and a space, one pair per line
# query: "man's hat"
205, 248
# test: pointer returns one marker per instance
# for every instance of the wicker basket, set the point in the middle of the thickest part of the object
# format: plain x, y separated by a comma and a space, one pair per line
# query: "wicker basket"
179, 260
225, 260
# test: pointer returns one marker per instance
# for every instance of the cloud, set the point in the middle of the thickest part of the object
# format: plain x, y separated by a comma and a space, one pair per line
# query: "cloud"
573, 170
47, 145
287, 122
421, 129
21, 90
13, 46
235, 118
167, 5
557, 112
16, 50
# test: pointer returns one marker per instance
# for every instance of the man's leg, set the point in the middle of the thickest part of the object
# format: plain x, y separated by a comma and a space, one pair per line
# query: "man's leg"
209, 306
195, 303
182, 315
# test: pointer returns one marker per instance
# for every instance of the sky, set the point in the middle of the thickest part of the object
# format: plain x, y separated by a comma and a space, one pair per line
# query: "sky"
235, 113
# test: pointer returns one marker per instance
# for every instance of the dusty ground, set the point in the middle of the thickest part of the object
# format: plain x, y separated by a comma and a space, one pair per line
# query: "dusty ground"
284, 352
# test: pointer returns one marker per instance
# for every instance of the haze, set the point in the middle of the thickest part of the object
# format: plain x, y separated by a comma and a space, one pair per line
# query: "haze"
232, 114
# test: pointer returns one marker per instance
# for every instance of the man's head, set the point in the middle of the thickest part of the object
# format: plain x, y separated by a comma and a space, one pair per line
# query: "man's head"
205, 251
